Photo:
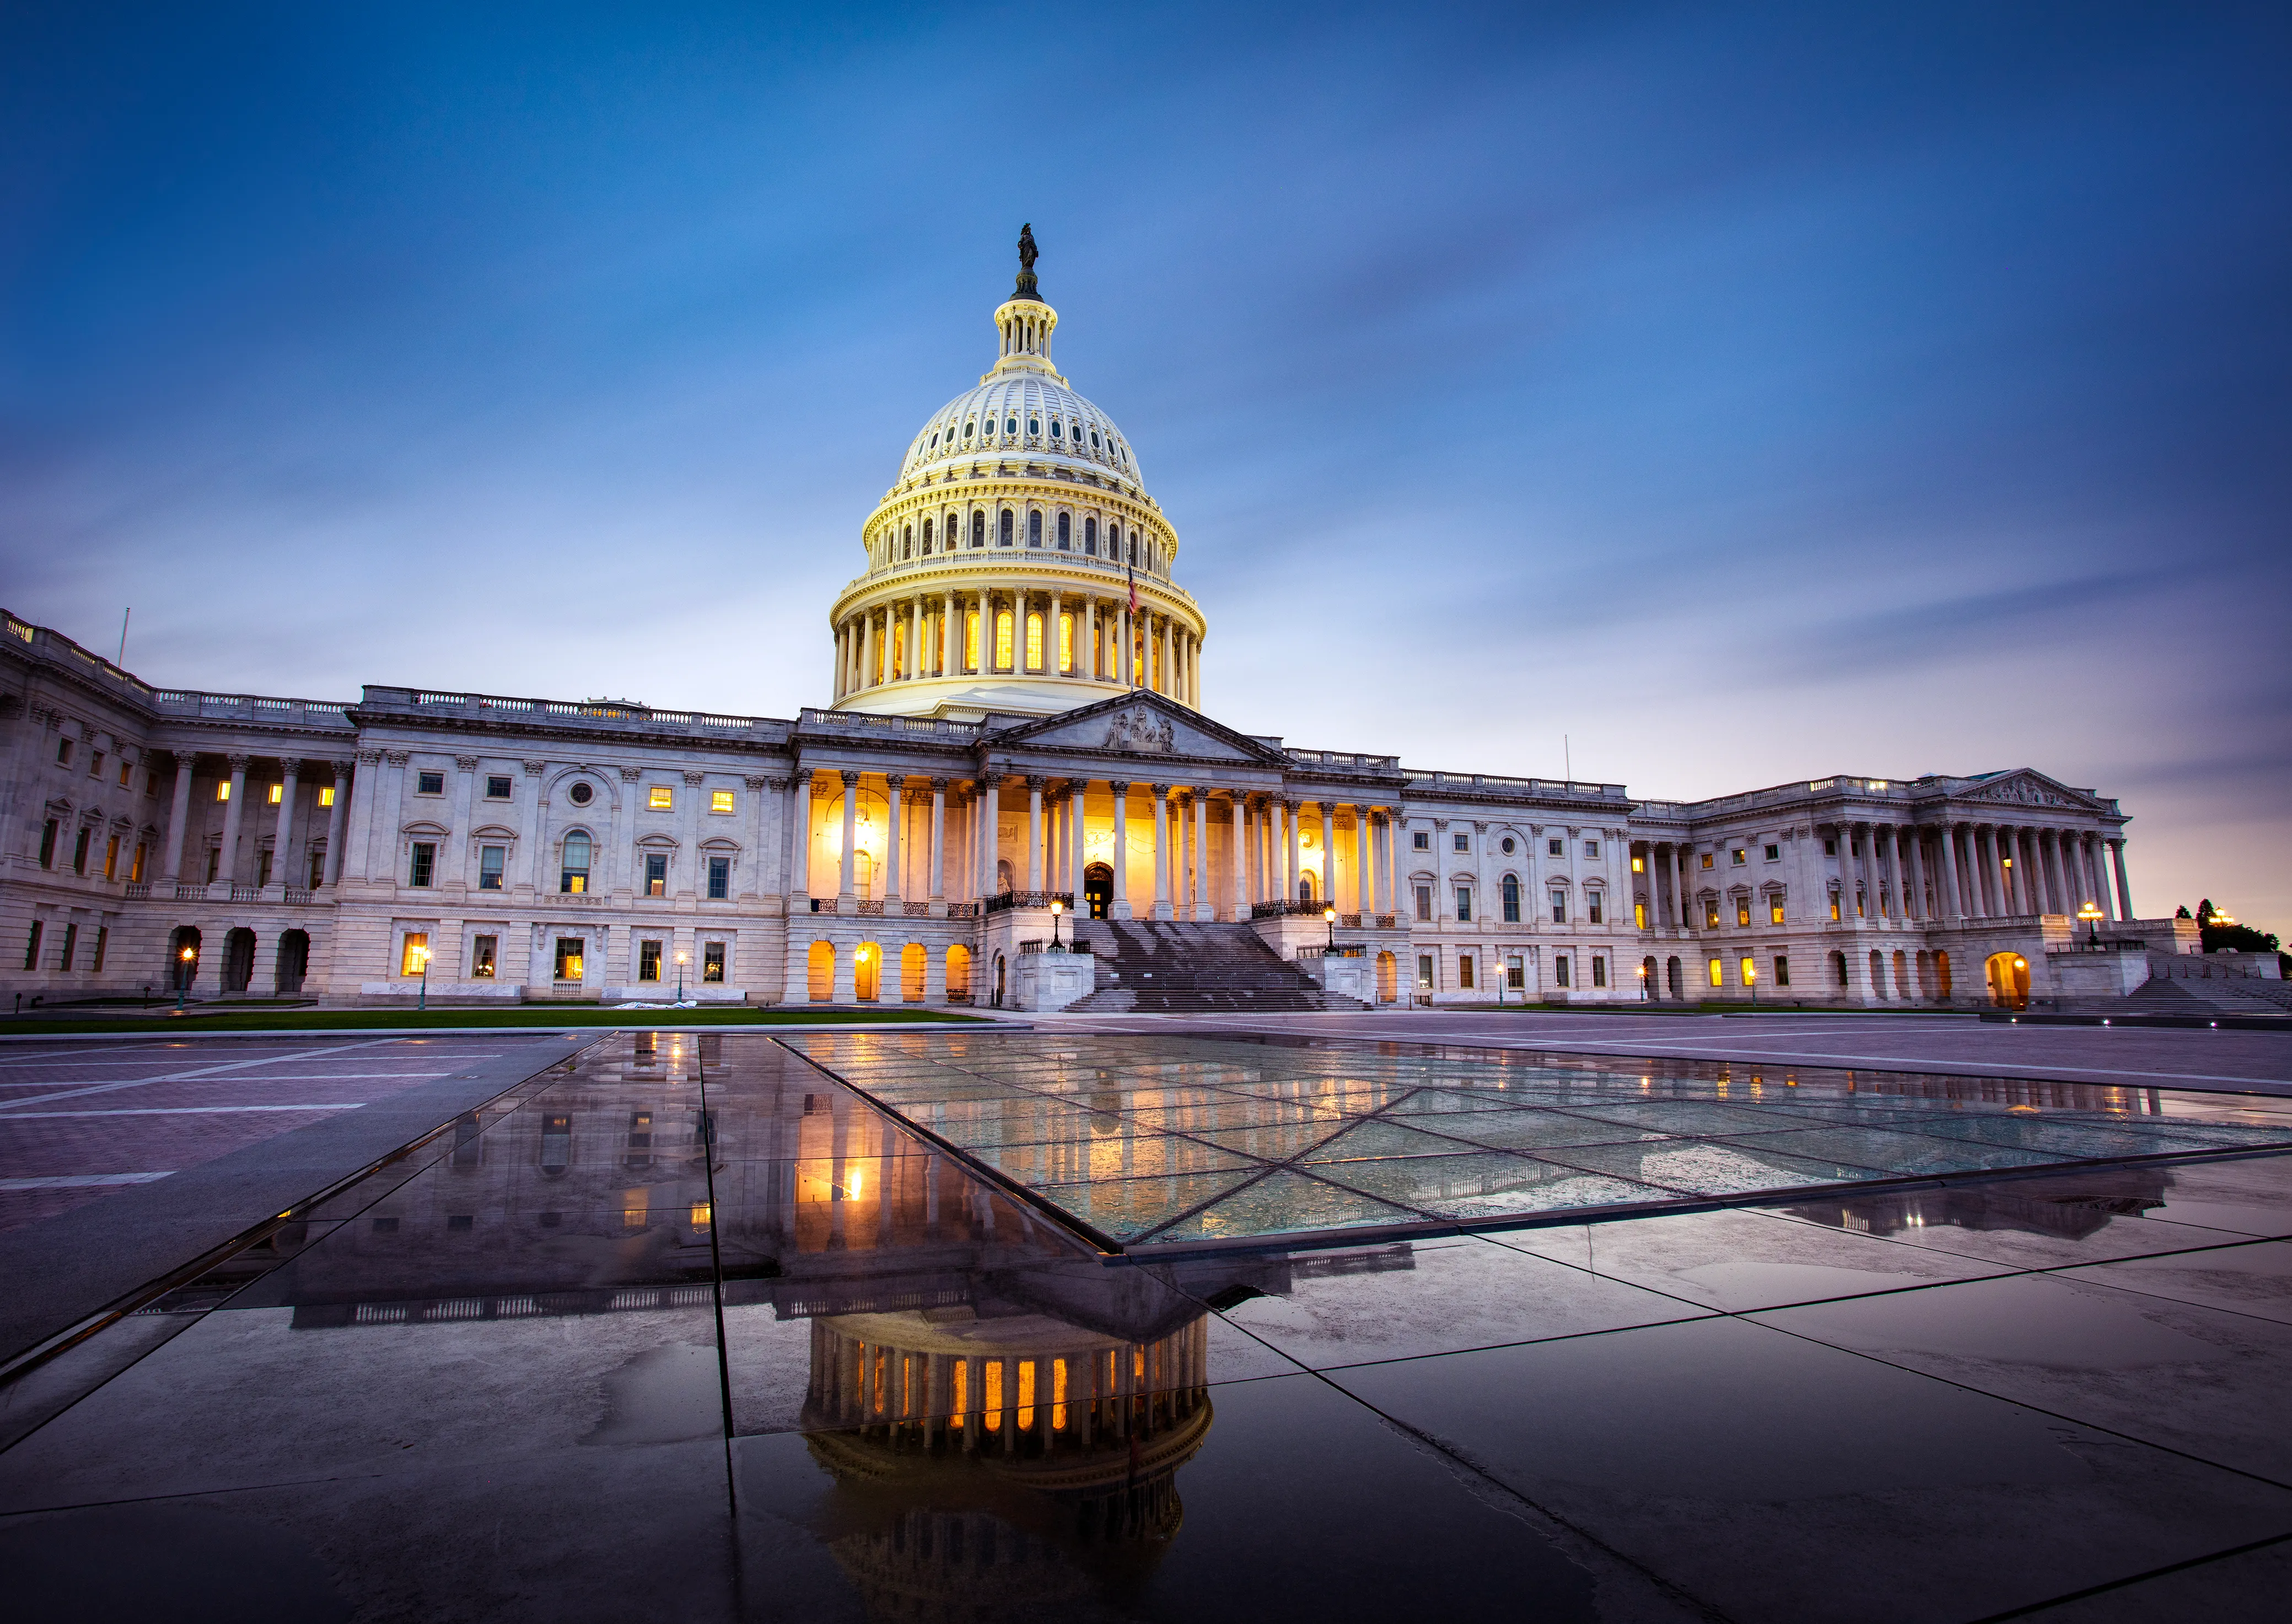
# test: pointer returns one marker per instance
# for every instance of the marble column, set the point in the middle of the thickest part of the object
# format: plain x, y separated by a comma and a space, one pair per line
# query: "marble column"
1161, 794
1078, 875
939, 848
179, 817
340, 809
234, 809
1328, 810
2123, 886
1120, 907
1202, 907
990, 814
1289, 868
282, 836
844, 898
1034, 832
1238, 817
895, 796
1363, 883
1953, 904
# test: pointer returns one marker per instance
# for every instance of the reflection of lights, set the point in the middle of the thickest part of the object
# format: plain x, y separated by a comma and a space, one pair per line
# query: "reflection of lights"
700, 1215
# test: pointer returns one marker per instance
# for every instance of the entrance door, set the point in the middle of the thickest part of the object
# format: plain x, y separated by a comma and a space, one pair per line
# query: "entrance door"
1098, 889
2008, 974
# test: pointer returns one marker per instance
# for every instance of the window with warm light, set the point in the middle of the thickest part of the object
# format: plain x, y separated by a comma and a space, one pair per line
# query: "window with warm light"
1710, 913
1066, 642
1639, 916
648, 961
660, 797
1774, 907
721, 801
711, 961
1834, 906
1747, 971
1742, 913
413, 953
223, 789
570, 959
274, 794
1718, 974
1708, 858
1003, 633
655, 873
1034, 639
1639, 865
573, 876
482, 949
491, 860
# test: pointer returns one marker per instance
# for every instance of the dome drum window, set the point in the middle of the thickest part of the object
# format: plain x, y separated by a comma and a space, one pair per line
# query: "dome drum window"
966, 431
1035, 426
1003, 537
1035, 527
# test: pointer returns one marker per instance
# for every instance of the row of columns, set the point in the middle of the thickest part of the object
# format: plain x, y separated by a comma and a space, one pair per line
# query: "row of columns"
1898, 872
170, 857
912, 639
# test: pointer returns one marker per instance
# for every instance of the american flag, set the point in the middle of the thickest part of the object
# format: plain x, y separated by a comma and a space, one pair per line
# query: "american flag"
1131, 570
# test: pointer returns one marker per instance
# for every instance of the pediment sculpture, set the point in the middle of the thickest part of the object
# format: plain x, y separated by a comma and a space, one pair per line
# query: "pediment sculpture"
1140, 731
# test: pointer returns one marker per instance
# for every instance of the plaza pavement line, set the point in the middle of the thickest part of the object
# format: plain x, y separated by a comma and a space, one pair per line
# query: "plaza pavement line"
82, 1181
69, 1276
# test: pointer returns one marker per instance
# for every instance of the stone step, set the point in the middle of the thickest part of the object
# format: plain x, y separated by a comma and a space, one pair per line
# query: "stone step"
1166, 965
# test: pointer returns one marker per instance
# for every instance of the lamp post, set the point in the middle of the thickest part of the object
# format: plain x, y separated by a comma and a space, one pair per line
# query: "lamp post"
184, 982
421, 1000
681, 957
1057, 907
1329, 918
1751, 979
2091, 914
1644, 985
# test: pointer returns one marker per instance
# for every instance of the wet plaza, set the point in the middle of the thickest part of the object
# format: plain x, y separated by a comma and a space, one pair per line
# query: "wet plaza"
988, 1325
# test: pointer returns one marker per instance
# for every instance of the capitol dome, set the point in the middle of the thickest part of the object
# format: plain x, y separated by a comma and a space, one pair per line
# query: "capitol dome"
1017, 565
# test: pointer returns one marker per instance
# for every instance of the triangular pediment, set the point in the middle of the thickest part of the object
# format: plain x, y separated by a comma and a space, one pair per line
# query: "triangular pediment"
1139, 724
2024, 787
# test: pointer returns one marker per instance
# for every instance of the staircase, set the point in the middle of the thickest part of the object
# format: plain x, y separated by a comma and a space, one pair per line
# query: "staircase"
1155, 967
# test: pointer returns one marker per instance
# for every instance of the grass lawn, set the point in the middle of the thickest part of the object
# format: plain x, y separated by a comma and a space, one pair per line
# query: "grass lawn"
242, 1020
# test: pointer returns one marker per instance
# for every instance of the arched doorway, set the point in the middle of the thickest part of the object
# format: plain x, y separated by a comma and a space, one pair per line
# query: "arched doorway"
2009, 975
1388, 978
915, 960
183, 972
1305, 885
867, 967
1941, 971
1901, 974
1671, 976
998, 982
237, 959
1098, 889
1651, 976
1877, 973
820, 972
294, 960
958, 974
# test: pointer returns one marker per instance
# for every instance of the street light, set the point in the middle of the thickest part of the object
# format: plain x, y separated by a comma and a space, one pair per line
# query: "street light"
1057, 907
681, 957
422, 956
1751, 979
1329, 918
184, 982
1644, 985
2091, 914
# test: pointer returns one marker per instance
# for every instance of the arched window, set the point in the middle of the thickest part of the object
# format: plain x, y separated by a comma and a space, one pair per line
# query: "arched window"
1035, 426
1034, 526
1133, 548
1002, 538
977, 528
927, 537
1002, 639
1010, 425
1512, 899
574, 875
1034, 641
966, 429
1066, 527
1090, 536
908, 542
1055, 430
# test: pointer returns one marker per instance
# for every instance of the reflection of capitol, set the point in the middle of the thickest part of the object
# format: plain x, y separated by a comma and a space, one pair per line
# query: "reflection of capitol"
1002, 1463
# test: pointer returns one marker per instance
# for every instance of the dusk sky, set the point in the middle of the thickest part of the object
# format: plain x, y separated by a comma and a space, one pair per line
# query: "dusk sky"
1745, 395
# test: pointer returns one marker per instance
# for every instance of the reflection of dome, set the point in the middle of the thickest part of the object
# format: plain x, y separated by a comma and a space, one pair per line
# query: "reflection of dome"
996, 1468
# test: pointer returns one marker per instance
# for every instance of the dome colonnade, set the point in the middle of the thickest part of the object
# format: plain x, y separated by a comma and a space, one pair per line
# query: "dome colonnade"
1018, 565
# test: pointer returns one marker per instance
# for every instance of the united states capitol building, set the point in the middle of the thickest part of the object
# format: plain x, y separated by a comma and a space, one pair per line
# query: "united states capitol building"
1020, 714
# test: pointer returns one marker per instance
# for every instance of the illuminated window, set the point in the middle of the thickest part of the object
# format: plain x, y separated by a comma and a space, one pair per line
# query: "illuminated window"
1833, 906
1774, 907
1639, 916
1003, 638
482, 949
111, 858
276, 794
1710, 913
1718, 978
1737, 856
1639, 865
711, 961
1066, 643
1742, 912
425, 863
648, 961
1034, 641
414, 953
497, 787
1707, 859
720, 879
655, 873
430, 783
223, 789
573, 877
971, 642
491, 861
720, 801
568, 959
1746, 972
660, 797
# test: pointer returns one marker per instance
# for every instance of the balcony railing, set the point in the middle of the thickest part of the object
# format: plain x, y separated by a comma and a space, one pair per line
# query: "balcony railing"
1004, 901
1279, 908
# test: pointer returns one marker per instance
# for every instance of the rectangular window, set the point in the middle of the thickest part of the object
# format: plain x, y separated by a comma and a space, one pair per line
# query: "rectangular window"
568, 959
327, 796
79, 851
1774, 854
1737, 856
261, 869
1718, 979
103, 937
1746, 972
414, 953
711, 961
111, 858
1599, 970
430, 783
720, 801
1639, 916
1423, 964
318, 866
63, 752
274, 794
481, 956
1464, 969
1707, 857
1639, 865
1424, 902
214, 863
720, 879
648, 961
1590, 848
1420, 840
1742, 913
1511, 900
1560, 968
491, 861
126, 776
1465, 903
71, 943
135, 864
1066, 642
32, 947
223, 789
660, 797
425, 863
1592, 900
1034, 641
655, 873
1774, 907
1515, 973
95, 764
1463, 843
1002, 639
1833, 908
497, 787
1830, 848
1555, 848
1559, 899
1783, 970
970, 637
48, 843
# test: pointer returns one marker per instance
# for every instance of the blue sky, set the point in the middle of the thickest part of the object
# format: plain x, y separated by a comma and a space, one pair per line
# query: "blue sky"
1744, 394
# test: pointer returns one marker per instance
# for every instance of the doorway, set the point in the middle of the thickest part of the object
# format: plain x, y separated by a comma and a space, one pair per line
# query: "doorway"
1098, 889
237, 959
294, 960
182, 959
2008, 974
